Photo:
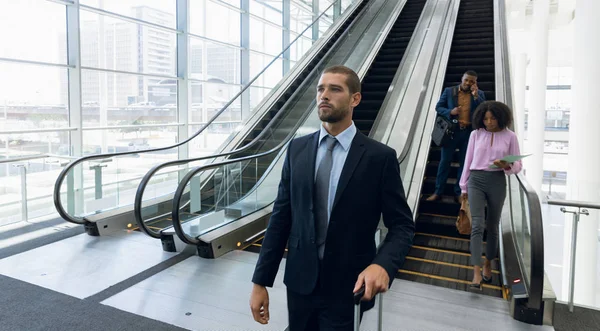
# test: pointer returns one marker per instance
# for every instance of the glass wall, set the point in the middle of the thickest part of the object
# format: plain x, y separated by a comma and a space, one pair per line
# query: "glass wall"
130, 81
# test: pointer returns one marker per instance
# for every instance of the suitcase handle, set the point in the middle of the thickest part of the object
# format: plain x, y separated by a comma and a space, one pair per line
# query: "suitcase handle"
357, 298
358, 295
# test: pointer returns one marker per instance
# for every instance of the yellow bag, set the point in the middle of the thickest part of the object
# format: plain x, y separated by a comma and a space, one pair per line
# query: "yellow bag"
463, 222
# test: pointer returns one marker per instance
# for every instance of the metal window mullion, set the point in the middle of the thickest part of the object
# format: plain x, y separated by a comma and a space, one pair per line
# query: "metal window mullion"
315, 15
245, 58
216, 42
337, 10
74, 190
285, 22
183, 73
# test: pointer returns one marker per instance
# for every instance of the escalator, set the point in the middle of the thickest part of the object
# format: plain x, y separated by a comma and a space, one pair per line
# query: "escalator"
265, 134
440, 255
374, 89
376, 83
99, 191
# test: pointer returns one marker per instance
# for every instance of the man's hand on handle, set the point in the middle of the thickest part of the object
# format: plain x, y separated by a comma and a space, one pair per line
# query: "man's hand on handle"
259, 304
375, 279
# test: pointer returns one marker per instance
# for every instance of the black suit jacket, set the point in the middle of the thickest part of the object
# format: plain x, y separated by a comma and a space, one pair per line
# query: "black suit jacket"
369, 186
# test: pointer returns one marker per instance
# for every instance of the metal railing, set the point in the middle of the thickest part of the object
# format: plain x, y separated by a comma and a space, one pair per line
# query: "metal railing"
57, 187
23, 174
582, 209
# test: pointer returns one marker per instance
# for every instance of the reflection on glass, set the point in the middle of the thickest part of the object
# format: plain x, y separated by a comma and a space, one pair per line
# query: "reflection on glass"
220, 195
161, 12
119, 99
26, 103
110, 43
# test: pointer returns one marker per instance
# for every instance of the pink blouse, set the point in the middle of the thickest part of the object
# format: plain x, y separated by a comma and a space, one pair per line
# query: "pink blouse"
484, 148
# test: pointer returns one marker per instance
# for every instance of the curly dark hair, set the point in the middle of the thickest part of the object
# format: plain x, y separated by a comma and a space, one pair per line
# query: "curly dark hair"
501, 112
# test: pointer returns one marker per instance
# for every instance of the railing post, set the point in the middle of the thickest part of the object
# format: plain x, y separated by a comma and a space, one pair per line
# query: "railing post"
97, 180
23, 174
573, 251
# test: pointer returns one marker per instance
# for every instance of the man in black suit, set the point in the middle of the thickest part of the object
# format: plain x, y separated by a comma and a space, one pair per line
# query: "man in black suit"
335, 185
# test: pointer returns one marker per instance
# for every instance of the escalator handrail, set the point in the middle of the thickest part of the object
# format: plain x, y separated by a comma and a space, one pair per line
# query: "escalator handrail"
177, 225
63, 174
536, 281
137, 210
186, 179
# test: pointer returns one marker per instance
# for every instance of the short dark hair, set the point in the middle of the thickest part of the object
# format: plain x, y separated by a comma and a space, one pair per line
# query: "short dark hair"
471, 73
501, 112
352, 79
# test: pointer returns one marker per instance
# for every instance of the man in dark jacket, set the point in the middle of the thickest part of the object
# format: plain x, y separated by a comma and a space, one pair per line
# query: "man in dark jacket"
457, 102
336, 184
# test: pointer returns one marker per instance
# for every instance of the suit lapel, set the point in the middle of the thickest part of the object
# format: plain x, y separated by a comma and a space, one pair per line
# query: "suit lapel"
357, 149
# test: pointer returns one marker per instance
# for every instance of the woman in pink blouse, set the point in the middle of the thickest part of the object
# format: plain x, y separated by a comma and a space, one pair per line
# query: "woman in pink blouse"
489, 142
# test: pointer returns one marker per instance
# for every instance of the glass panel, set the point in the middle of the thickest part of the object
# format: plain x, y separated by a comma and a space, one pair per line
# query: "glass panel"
119, 99
110, 43
519, 206
271, 76
41, 173
34, 30
205, 14
263, 37
225, 193
346, 4
106, 183
131, 139
270, 11
326, 20
27, 103
300, 17
221, 63
301, 46
558, 231
26, 144
161, 12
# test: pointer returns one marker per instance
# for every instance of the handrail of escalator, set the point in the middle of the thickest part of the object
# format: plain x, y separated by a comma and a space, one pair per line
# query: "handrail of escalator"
63, 174
186, 179
139, 195
138, 201
536, 277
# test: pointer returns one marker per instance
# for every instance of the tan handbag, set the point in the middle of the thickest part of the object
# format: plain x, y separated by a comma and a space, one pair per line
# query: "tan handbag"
463, 222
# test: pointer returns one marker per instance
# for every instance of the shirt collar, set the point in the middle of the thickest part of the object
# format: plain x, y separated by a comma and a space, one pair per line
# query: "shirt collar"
344, 138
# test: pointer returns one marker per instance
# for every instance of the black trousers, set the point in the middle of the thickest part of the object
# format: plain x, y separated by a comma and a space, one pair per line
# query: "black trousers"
320, 311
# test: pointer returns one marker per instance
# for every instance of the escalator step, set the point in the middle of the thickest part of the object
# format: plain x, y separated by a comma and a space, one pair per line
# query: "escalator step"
452, 284
445, 206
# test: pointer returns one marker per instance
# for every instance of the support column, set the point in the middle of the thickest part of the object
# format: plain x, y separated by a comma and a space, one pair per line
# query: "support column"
75, 179
583, 178
103, 81
285, 23
315, 27
519, 87
245, 63
183, 72
537, 112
